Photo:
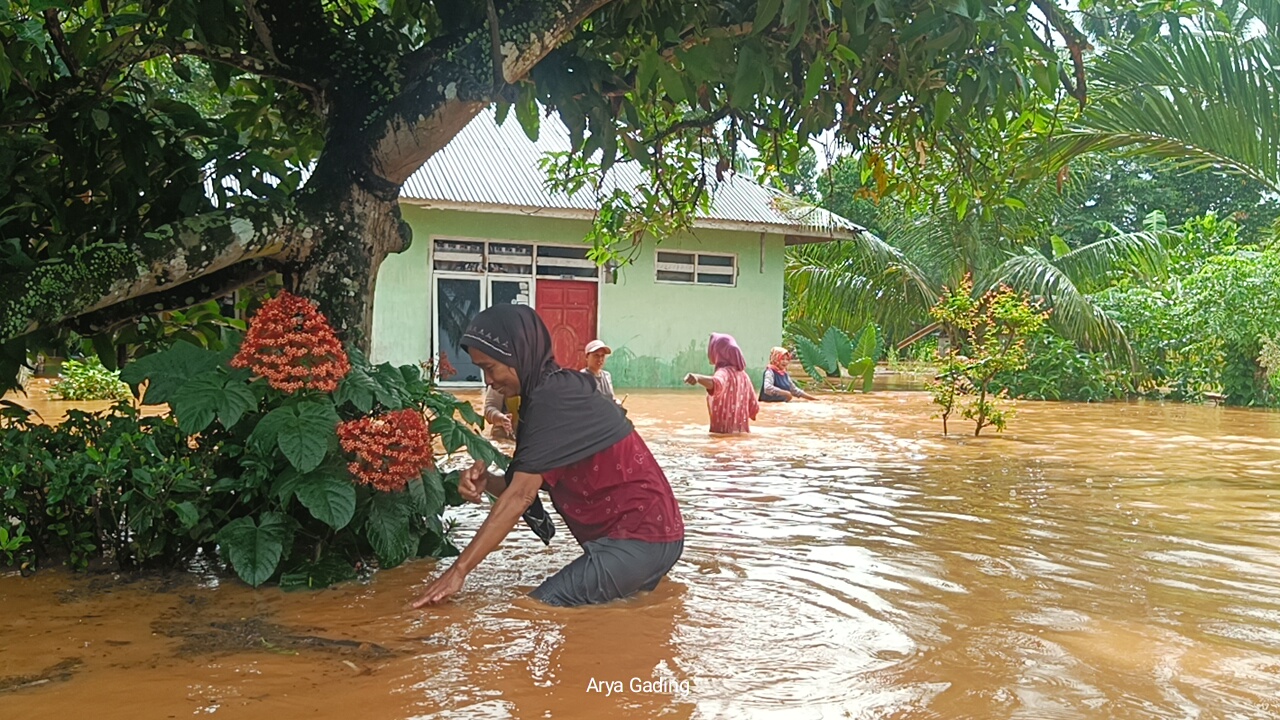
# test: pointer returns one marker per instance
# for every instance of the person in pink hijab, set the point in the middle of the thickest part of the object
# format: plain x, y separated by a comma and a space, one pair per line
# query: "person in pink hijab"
731, 399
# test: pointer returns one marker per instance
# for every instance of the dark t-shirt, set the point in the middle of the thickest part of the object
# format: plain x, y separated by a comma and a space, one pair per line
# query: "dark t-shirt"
620, 492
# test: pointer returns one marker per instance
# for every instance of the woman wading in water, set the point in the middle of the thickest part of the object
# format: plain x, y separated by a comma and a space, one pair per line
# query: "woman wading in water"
576, 444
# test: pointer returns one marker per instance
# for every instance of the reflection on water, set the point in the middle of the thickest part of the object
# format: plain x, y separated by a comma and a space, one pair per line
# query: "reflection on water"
845, 560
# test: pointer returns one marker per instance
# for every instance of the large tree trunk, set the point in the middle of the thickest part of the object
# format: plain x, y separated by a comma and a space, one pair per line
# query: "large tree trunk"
341, 271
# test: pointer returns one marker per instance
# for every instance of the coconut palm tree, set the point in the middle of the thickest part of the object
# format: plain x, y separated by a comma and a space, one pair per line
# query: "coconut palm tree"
894, 281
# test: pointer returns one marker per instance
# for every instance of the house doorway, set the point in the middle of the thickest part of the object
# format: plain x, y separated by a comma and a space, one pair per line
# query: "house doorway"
568, 307
472, 275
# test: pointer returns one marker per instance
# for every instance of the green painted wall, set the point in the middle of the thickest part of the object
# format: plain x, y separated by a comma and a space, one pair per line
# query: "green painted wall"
658, 330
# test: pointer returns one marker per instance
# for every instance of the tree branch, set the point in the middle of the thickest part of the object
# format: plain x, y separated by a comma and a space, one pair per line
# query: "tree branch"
242, 61
260, 28
443, 91
696, 123
54, 28
200, 290
1077, 44
495, 37
90, 279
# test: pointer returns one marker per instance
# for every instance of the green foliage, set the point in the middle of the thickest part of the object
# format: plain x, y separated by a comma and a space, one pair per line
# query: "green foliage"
1198, 99
238, 467
836, 352
89, 380
110, 483
135, 126
1202, 330
988, 336
1058, 370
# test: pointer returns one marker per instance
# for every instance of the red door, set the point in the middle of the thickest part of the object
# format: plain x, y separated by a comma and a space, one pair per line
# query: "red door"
568, 307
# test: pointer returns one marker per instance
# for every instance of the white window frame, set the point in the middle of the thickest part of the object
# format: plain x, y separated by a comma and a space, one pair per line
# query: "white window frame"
696, 268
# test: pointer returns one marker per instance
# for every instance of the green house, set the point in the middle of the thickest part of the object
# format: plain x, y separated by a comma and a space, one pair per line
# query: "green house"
487, 231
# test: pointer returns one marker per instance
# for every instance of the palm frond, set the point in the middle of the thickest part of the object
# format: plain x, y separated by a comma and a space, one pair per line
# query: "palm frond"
1092, 266
1074, 314
1198, 100
849, 283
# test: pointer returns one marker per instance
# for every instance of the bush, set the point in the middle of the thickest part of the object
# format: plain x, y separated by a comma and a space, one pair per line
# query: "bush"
291, 456
89, 380
1057, 370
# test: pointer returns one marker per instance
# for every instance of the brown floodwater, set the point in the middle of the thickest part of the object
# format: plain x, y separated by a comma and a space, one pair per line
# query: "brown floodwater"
845, 560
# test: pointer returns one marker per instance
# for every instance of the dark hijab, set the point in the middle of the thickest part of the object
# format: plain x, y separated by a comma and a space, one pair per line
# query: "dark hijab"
563, 417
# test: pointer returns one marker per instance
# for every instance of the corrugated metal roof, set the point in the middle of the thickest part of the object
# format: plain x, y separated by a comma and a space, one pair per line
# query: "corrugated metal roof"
496, 167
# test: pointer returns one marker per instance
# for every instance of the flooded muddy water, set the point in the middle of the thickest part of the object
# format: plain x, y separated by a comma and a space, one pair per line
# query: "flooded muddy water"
844, 561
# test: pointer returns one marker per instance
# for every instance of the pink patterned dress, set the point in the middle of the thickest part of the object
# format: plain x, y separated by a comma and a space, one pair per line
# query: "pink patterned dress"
731, 401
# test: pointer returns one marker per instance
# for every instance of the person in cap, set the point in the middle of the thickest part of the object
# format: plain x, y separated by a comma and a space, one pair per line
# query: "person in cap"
578, 446
597, 351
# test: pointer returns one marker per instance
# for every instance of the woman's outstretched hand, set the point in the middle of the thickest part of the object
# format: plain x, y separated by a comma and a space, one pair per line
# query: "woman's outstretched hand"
690, 379
444, 587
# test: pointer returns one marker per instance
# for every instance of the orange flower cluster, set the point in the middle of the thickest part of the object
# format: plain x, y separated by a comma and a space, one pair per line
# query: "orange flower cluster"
446, 368
291, 344
390, 449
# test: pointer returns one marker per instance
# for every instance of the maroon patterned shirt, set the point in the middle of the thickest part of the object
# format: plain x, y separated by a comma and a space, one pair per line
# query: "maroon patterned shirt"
619, 493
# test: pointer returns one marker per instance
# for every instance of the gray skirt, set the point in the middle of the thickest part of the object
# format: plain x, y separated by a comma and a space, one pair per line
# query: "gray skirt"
608, 570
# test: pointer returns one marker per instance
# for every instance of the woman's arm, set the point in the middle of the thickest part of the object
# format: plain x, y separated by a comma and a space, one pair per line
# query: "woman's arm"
495, 411
511, 504
705, 381
795, 390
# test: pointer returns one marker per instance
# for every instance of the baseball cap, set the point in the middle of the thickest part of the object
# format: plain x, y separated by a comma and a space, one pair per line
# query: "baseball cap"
595, 345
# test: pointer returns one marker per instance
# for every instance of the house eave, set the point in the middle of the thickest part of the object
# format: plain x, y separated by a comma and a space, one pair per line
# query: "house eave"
793, 234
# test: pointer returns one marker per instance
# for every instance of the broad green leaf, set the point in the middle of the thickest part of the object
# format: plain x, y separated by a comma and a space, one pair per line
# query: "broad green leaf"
810, 356
208, 395
837, 350
304, 433
647, 69
286, 485
866, 345
255, 549
356, 388
814, 78
435, 544
749, 79
428, 493
388, 528
167, 371
766, 11
389, 388
450, 433
329, 498
263, 437
187, 514
1060, 247
671, 81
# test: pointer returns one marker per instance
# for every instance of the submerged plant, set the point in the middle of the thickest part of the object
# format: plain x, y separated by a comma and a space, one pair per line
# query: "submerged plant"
89, 380
988, 336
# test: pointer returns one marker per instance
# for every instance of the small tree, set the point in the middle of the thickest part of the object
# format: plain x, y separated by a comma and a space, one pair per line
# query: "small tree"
988, 335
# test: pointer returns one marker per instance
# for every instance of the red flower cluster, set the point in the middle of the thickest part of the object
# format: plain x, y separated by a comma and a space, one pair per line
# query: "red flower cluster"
390, 449
291, 344
444, 367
